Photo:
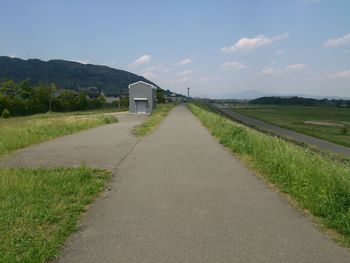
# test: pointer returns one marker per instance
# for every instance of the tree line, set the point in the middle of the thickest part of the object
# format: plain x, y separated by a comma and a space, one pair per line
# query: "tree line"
301, 101
23, 98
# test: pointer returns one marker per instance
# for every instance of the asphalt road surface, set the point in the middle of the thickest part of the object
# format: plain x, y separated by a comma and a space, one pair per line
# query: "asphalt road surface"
180, 196
309, 140
101, 147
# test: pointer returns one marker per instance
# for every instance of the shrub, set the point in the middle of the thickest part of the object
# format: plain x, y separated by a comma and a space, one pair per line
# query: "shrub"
344, 130
6, 114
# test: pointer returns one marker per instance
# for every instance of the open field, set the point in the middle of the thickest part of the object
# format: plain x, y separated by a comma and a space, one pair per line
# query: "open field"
327, 123
157, 116
20, 132
39, 208
316, 183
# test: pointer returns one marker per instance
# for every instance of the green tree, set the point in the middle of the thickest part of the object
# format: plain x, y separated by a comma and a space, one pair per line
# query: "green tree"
124, 102
82, 101
6, 114
160, 96
66, 101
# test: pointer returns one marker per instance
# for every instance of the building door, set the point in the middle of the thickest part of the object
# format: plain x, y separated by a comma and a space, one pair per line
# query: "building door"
141, 106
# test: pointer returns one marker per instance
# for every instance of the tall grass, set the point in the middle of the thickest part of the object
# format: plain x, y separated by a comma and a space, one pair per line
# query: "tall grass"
157, 116
19, 132
39, 208
317, 183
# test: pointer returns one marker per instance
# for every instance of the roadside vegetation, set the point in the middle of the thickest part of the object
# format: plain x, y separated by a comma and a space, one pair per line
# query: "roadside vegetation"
157, 116
39, 208
315, 182
324, 122
20, 132
26, 98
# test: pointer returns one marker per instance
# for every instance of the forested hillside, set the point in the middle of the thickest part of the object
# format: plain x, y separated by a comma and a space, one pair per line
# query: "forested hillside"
68, 74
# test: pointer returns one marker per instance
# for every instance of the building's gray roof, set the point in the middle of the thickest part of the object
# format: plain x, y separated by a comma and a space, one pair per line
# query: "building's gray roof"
153, 87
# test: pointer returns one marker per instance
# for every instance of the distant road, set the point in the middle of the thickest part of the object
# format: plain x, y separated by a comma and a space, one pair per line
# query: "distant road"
311, 141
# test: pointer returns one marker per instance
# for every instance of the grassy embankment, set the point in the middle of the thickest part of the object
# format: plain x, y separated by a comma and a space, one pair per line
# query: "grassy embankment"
327, 123
39, 208
157, 116
20, 132
316, 183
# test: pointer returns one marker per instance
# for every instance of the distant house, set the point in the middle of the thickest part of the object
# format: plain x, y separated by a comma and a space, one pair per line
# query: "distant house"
142, 97
93, 92
58, 92
112, 98
173, 97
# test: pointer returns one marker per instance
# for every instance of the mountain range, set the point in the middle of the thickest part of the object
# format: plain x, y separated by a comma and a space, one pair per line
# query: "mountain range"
254, 94
68, 74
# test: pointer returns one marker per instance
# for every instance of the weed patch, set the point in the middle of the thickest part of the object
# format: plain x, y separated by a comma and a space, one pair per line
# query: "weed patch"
157, 116
39, 208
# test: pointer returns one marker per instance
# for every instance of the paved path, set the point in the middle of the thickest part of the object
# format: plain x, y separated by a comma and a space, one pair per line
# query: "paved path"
103, 147
180, 196
309, 140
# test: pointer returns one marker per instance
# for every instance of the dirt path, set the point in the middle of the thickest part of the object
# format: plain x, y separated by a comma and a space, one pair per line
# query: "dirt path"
180, 196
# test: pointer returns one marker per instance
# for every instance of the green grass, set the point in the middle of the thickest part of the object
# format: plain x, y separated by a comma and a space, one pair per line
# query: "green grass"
77, 113
39, 208
157, 116
294, 117
315, 182
20, 132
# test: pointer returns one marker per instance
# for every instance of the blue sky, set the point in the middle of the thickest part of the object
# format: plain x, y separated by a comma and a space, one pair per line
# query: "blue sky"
215, 47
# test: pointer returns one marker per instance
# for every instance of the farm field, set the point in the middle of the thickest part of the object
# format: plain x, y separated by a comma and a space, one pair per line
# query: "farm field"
327, 123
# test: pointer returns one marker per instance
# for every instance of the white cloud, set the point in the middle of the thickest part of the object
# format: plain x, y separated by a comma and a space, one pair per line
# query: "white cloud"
245, 44
342, 74
279, 52
233, 65
206, 78
183, 76
185, 73
337, 42
154, 71
184, 62
269, 72
295, 67
180, 80
13, 56
145, 59
149, 75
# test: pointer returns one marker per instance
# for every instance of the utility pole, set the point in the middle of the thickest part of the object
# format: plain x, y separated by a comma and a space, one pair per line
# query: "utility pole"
49, 89
188, 93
